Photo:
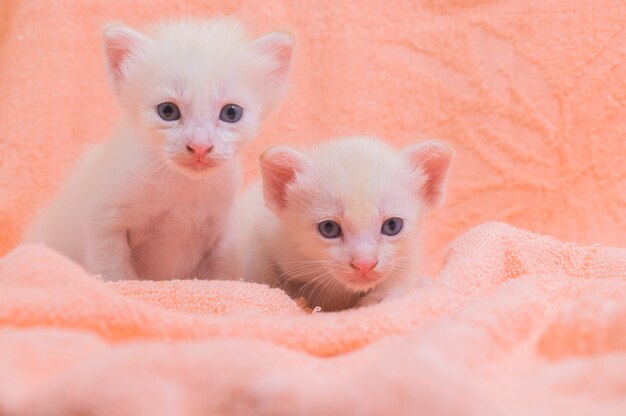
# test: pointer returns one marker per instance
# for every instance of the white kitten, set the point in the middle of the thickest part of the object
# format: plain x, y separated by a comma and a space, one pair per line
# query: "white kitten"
155, 201
340, 225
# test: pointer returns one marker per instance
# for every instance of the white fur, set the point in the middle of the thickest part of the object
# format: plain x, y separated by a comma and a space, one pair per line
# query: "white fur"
140, 205
358, 183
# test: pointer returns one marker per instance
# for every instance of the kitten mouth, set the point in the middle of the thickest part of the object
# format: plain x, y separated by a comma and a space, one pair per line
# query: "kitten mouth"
200, 165
363, 282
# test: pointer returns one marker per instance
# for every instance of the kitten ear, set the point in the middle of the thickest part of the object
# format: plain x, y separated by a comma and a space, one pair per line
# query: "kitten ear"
279, 167
121, 43
278, 48
431, 159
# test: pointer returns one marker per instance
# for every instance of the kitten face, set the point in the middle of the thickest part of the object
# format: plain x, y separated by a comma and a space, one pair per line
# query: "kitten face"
352, 206
196, 91
357, 252
199, 138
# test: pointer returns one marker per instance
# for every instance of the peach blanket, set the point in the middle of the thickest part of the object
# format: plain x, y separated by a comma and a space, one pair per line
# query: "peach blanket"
516, 324
531, 94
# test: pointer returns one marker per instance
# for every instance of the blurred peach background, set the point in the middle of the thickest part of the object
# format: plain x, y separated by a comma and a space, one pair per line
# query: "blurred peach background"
532, 95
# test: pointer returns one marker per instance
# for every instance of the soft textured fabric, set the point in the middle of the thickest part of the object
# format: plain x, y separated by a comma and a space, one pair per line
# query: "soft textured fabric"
517, 323
531, 94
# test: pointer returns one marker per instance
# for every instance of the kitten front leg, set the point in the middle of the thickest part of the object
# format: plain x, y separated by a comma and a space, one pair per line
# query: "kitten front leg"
108, 254
372, 298
223, 262
386, 291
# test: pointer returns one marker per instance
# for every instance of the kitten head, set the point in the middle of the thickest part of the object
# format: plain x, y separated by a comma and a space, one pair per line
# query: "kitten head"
352, 206
196, 91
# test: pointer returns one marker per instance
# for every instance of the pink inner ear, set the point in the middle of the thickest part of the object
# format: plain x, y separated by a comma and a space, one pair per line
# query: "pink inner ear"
119, 43
434, 160
279, 47
282, 56
278, 169
116, 52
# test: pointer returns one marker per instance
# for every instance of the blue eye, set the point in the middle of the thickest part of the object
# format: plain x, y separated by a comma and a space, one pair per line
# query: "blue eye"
231, 113
392, 226
168, 111
329, 229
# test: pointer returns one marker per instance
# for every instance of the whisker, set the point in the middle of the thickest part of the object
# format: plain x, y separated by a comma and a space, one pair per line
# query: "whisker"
312, 282
292, 274
321, 292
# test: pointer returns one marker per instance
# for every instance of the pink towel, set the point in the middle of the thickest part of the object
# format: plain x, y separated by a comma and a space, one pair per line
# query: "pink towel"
516, 323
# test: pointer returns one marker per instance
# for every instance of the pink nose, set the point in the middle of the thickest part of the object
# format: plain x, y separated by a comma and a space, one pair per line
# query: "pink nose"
363, 265
200, 150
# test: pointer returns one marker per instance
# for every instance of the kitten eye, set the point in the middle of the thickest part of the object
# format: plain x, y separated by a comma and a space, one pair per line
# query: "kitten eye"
231, 113
168, 111
329, 229
392, 226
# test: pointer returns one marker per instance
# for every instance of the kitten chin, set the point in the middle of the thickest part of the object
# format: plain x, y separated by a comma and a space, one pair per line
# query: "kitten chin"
193, 91
197, 169
338, 224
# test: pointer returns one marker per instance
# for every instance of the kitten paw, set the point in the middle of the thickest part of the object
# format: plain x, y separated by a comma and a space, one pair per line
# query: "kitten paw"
372, 299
